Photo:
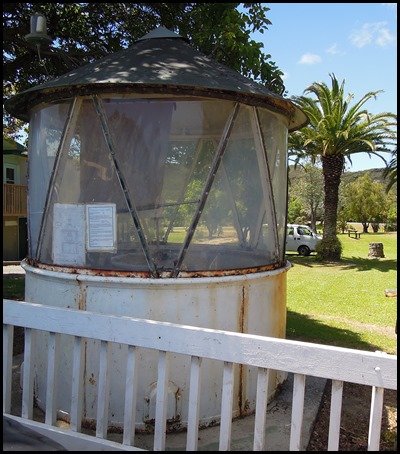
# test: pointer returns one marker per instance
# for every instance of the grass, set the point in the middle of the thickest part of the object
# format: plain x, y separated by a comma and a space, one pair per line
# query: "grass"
340, 304
13, 287
344, 303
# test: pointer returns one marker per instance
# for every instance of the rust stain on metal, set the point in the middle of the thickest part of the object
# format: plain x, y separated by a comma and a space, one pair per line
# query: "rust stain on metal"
244, 303
148, 275
82, 297
243, 327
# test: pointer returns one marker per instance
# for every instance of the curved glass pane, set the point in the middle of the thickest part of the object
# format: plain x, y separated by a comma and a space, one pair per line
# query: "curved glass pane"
45, 131
158, 185
274, 130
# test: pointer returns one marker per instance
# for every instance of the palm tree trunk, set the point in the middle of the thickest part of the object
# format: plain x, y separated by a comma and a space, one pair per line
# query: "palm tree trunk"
332, 169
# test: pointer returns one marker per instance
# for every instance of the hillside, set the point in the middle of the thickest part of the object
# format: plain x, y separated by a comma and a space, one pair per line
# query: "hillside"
347, 177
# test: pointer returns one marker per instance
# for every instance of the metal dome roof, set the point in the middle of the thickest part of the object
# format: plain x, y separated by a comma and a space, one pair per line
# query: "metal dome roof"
160, 62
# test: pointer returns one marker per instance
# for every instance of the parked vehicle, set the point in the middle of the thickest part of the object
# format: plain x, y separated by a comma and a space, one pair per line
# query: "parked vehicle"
301, 239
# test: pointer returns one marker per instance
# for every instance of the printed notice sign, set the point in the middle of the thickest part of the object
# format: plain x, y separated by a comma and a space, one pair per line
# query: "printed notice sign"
101, 223
69, 234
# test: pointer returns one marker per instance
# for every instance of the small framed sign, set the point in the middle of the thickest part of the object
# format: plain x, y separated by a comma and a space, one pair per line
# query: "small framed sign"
101, 227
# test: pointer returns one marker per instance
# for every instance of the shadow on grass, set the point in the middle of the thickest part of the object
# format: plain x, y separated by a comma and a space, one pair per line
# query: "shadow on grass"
299, 327
14, 287
347, 263
362, 264
303, 328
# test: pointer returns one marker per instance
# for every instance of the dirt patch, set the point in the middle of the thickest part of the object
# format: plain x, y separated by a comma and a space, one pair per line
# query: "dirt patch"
388, 331
355, 420
354, 424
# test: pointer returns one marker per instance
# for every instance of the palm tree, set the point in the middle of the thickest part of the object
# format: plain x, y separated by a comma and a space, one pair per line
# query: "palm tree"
391, 171
337, 131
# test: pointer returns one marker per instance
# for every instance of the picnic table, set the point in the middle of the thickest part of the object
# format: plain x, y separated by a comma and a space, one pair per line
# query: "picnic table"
354, 232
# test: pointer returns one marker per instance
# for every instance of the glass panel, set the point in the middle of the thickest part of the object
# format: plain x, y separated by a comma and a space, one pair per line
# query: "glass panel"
165, 149
86, 175
274, 130
229, 235
46, 126
151, 159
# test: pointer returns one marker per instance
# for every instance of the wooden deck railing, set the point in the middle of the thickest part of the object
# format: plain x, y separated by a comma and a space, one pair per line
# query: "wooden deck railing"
376, 369
14, 199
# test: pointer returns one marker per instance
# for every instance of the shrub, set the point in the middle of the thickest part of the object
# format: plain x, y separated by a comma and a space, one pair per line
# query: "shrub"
329, 249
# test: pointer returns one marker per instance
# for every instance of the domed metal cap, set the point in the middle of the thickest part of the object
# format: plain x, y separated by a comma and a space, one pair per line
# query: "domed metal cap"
160, 62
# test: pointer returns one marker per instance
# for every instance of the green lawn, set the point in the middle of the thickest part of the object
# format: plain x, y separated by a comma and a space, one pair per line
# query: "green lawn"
339, 304
344, 303
13, 287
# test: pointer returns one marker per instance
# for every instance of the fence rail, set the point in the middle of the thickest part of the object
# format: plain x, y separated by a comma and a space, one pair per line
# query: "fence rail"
376, 369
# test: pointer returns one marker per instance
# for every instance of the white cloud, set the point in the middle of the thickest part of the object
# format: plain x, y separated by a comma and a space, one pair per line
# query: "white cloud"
385, 37
334, 50
376, 32
309, 59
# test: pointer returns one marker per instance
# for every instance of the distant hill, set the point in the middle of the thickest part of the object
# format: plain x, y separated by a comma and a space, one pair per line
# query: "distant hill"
376, 175
347, 177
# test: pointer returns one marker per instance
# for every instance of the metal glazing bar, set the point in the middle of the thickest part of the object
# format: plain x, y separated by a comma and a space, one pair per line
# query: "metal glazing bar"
185, 185
66, 136
124, 186
235, 213
210, 179
163, 205
266, 181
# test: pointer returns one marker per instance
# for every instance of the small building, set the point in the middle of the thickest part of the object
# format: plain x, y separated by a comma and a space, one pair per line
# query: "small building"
158, 190
15, 236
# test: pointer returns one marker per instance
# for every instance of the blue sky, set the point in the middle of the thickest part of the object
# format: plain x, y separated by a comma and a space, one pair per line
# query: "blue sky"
355, 41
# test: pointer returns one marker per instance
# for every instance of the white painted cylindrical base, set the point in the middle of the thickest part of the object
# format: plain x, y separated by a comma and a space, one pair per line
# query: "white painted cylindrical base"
251, 303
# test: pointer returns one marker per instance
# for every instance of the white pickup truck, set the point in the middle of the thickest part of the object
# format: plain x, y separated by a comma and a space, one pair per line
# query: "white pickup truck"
301, 239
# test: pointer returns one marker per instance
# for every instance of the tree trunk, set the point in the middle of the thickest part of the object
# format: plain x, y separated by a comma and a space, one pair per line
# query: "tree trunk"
375, 227
332, 168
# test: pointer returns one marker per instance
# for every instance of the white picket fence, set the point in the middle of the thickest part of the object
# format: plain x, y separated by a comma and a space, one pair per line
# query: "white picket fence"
376, 369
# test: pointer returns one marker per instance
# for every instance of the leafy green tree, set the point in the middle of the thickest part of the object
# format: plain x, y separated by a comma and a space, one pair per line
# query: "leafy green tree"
336, 131
391, 216
366, 202
342, 220
310, 191
84, 32
296, 212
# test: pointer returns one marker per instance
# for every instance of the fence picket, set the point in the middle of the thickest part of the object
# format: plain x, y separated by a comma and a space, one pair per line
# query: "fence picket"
52, 379
27, 375
335, 415
130, 396
161, 401
77, 388
261, 409
8, 335
226, 408
103, 390
233, 349
375, 421
299, 385
194, 404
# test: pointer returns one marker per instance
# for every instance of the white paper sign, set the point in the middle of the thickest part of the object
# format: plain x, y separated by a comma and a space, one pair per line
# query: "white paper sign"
101, 231
69, 234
